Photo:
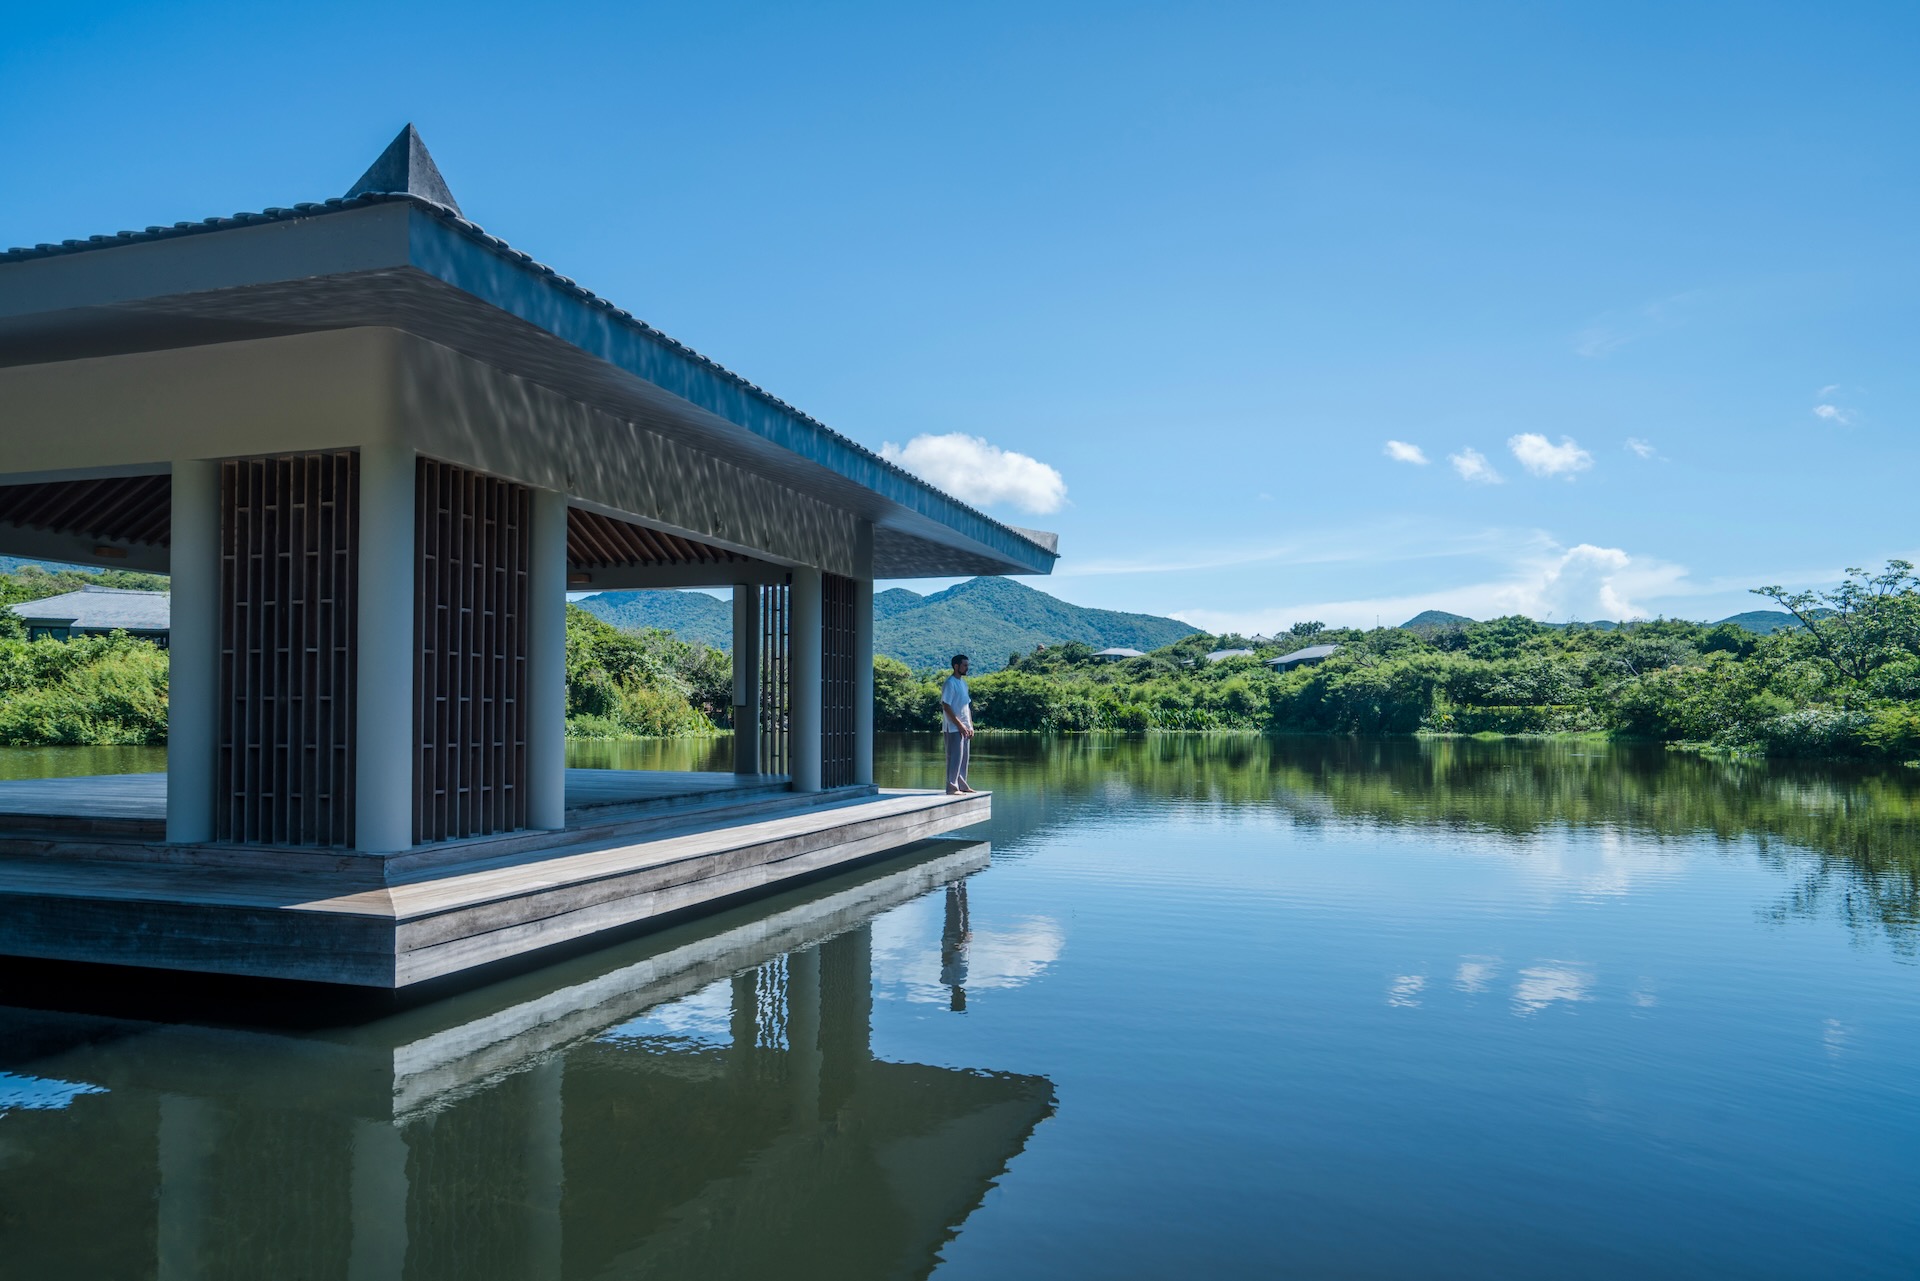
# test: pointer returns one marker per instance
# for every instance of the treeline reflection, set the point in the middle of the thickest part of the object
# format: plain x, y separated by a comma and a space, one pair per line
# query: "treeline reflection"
1860, 825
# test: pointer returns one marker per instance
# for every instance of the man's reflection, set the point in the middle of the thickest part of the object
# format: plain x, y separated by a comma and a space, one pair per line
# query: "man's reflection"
955, 934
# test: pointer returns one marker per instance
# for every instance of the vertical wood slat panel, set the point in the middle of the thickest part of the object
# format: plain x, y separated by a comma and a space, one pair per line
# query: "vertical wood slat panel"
836, 681
289, 557
470, 632
775, 694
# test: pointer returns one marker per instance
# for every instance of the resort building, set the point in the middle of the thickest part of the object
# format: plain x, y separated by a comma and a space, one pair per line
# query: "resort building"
96, 611
1302, 657
374, 447
1222, 655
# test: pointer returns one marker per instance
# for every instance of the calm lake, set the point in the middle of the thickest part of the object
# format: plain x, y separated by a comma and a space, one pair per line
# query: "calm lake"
1188, 1006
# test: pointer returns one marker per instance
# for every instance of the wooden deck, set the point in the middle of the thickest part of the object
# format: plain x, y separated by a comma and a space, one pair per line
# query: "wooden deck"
136, 804
636, 849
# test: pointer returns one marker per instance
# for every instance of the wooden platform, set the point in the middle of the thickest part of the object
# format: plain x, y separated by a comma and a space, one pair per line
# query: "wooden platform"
136, 804
626, 858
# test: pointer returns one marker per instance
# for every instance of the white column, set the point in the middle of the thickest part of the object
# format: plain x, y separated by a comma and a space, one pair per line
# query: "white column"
193, 678
383, 716
547, 664
803, 1034
746, 678
803, 656
377, 1197
545, 1170
187, 1133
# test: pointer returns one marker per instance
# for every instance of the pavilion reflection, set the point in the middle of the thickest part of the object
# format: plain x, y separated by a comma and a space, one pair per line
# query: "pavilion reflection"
563, 1124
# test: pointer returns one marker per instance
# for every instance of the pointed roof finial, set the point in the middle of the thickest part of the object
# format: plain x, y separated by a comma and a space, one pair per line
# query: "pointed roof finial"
406, 166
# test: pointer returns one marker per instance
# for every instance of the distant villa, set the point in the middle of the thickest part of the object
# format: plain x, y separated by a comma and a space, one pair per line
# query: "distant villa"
96, 611
1302, 657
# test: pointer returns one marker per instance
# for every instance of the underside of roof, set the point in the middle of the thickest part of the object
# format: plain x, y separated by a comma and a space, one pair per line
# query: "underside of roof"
405, 260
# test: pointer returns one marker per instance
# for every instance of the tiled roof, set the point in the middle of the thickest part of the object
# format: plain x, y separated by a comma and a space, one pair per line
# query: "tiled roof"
1221, 655
473, 231
100, 609
1303, 655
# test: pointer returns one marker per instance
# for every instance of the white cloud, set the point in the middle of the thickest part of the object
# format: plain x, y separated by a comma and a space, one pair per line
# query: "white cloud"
1828, 390
1473, 465
1544, 580
1401, 452
1833, 414
1544, 458
1587, 582
975, 471
1642, 448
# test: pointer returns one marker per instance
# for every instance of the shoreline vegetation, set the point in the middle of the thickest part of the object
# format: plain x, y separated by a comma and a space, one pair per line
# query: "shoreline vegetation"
1842, 684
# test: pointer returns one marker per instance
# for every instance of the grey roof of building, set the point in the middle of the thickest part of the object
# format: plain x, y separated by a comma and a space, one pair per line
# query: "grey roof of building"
100, 609
1218, 655
1304, 655
1119, 651
406, 161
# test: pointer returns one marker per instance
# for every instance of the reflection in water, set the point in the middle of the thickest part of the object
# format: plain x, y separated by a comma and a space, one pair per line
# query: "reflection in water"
1539, 986
706, 1103
1864, 823
955, 933
1476, 973
1332, 1008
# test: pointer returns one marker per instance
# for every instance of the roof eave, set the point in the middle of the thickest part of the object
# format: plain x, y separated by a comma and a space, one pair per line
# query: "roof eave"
439, 242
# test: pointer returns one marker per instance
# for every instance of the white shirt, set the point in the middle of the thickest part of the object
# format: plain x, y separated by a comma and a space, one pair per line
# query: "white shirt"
954, 695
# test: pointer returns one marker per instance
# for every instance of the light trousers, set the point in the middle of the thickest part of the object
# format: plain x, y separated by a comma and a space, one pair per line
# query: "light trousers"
959, 748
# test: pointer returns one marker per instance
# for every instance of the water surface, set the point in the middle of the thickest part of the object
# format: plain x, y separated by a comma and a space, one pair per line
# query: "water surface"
1189, 1006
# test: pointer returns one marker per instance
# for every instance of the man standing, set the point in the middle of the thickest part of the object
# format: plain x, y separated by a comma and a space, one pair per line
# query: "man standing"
956, 718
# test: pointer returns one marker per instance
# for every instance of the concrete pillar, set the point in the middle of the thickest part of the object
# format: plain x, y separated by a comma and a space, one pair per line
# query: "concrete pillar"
547, 663
193, 679
863, 653
846, 1015
546, 1170
745, 1022
186, 1151
383, 716
803, 1034
803, 656
746, 678
377, 1198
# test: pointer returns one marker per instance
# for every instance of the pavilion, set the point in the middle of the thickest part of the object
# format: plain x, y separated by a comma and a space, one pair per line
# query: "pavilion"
374, 447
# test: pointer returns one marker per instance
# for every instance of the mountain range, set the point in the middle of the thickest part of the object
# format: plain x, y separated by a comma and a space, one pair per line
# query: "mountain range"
986, 618
1762, 621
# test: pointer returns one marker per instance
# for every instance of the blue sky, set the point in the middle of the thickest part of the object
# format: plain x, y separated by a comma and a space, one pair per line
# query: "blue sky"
1652, 266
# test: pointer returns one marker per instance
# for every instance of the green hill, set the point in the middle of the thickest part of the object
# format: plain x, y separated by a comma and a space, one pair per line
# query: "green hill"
987, 618
1437, 618
692, 616
1763, 620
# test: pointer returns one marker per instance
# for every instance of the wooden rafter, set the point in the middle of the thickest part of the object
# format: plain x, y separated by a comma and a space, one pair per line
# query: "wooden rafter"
601, 542
129, 509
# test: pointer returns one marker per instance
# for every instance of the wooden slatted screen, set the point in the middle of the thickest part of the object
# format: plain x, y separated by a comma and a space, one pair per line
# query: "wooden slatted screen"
470, 638
289, 571
836, 681
775, 701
